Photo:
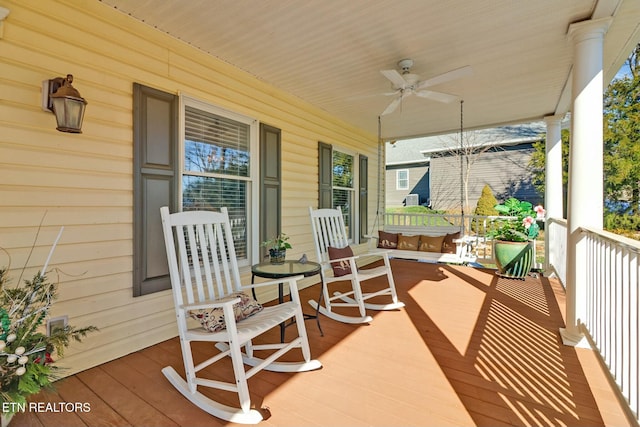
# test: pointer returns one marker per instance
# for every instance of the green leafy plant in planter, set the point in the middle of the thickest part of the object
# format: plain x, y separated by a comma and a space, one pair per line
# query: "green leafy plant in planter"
277, 247
522, 225
513, 237
27, 353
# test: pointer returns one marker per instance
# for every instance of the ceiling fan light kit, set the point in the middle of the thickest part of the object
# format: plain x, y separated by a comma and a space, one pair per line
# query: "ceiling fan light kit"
405, 65
406, 84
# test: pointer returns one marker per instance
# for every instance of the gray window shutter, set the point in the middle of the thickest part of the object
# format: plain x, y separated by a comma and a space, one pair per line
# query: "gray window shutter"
325, 176
270, 184
155, 184
363, 203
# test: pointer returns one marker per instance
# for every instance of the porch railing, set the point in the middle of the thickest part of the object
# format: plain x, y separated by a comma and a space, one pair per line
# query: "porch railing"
612, 300
611, 316
556, 247
420, 219
473, 227
473, 223
612, 304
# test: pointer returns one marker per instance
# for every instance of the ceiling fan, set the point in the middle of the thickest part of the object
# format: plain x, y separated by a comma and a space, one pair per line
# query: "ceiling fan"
407, 84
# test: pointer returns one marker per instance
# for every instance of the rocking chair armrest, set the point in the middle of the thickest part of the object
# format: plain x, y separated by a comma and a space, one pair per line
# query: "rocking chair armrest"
209, 304
383, 253
331, 261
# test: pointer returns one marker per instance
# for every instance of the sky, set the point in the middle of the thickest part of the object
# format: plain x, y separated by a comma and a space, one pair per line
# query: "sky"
623, 71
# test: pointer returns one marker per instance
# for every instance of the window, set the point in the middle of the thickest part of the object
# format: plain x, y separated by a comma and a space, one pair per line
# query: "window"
216, 167
189, 155
339, 175
402, 179
343, 187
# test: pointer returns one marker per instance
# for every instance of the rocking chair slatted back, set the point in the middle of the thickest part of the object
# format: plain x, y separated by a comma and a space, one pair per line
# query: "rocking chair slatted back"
328, 230
208, 264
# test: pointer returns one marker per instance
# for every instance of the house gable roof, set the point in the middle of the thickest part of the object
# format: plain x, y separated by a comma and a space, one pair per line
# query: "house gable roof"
417, 150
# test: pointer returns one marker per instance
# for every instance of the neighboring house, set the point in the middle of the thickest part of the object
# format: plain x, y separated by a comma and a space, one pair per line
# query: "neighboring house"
165, 124
404, 178
426, 171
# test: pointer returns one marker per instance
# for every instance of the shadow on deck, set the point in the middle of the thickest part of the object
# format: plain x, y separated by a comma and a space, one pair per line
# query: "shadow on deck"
469, 349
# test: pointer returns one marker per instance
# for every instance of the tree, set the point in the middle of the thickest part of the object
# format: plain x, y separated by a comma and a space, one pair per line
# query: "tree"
458, 171
538, 160
621, 163
622, 139
462, 155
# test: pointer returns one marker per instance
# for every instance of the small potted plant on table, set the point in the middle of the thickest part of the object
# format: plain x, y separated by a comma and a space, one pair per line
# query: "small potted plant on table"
277, 248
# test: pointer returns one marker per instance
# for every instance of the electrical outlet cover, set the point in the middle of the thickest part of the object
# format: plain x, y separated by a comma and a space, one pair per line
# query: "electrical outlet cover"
56, 323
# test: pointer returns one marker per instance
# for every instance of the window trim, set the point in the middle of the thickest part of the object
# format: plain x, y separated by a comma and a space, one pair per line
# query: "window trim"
398, 186
253, 179
355, 219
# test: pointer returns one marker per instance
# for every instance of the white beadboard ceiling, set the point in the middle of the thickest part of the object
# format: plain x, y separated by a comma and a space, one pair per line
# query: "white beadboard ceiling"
330, 52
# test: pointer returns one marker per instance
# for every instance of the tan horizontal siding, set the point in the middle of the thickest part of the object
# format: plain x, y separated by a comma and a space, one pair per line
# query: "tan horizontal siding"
72, 234
84, 182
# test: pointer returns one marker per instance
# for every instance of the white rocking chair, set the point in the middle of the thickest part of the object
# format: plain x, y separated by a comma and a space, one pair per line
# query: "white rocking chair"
205, 271
329, 231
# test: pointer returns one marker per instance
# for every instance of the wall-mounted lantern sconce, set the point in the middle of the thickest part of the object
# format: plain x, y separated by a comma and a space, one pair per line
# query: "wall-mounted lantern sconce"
4, 12
59, 96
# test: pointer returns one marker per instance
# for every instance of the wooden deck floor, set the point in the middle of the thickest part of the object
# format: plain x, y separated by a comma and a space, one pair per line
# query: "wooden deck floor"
469, 349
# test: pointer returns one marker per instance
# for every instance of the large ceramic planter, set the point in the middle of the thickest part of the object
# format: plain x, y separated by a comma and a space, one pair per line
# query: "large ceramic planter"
513, 259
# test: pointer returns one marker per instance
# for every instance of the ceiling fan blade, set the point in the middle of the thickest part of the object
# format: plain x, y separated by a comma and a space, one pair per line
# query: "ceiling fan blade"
395, 78
392, 106
437, 96
448, 76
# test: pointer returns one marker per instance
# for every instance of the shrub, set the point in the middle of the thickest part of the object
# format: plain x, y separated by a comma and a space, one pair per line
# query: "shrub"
484, 207
623, 224
486, 202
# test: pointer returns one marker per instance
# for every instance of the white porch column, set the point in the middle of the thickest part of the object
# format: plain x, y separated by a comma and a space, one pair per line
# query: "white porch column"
553, 188
553, 201
584, 204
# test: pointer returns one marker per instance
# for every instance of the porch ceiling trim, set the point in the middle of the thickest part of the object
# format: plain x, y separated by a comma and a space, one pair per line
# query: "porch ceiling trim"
330, 53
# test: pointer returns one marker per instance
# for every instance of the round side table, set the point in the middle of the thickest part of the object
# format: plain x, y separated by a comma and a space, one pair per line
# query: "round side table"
267, 270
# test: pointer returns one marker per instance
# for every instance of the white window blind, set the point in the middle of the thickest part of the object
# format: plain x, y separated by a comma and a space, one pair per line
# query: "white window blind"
217, 169
343, 189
